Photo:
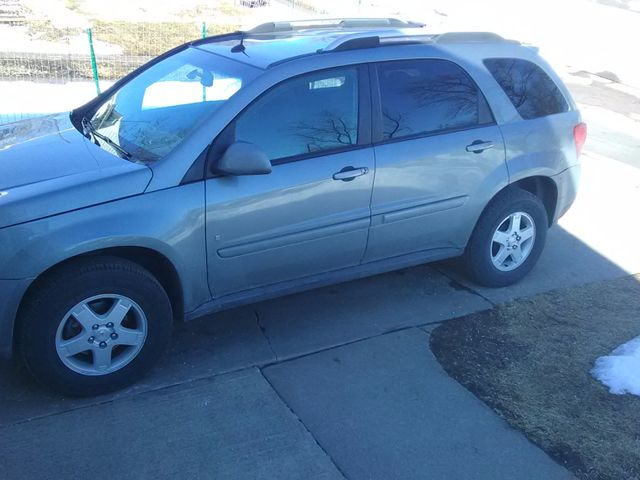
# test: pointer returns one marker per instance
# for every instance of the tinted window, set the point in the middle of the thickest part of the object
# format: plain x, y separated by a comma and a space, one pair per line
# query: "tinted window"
528, 87
311, 113
426, 96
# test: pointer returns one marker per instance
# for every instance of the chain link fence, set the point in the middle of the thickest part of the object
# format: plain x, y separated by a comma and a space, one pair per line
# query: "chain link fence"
67, 64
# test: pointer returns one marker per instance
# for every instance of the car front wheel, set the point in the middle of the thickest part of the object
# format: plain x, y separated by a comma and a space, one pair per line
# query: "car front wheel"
508, 239
94, 326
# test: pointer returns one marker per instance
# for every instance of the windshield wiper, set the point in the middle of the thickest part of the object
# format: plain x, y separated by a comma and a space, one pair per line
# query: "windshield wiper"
89, 130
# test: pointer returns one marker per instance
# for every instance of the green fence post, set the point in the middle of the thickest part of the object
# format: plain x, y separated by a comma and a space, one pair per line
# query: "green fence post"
204, 35
94, 66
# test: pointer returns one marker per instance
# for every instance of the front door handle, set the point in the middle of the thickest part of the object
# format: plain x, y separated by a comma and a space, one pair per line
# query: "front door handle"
479, 146
349, 173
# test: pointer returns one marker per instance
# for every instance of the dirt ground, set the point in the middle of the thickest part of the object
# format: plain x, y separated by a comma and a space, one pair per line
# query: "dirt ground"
530, 361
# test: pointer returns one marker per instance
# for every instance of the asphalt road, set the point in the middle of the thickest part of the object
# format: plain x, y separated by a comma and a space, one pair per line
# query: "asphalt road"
333, 383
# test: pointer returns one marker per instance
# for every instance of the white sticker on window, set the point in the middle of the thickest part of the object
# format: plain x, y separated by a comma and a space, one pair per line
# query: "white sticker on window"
333, 82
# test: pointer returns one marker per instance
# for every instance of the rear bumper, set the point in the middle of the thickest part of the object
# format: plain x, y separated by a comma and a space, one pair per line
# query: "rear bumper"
567, 182
11, 292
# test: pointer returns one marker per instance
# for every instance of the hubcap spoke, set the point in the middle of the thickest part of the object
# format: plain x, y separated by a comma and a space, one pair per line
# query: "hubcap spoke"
118, 311
516, 255
516, 220
127, 336
501, 237
102, 358
85, 316
526, 234
75, 345
502, 255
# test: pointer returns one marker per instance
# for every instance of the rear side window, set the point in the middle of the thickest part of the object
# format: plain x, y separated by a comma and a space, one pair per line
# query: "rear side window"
427, 96
528, 87
312, 113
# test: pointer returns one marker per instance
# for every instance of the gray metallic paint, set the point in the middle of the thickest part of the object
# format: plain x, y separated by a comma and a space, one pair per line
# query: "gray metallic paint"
49, 168
429, 191
295, 222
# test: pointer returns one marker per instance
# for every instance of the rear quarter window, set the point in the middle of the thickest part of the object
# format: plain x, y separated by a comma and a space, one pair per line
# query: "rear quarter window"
530, 89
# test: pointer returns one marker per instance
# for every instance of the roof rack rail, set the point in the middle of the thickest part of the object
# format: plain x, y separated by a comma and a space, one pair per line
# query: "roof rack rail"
357, 41
332, 23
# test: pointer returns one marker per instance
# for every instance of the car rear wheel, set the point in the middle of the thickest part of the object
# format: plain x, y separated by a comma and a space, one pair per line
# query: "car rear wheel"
94, 326
508, 239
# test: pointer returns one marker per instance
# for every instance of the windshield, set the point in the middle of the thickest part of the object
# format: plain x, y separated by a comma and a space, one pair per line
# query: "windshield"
151, 114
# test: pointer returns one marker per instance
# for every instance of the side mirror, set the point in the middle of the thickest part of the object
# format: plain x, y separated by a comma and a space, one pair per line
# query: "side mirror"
244, 158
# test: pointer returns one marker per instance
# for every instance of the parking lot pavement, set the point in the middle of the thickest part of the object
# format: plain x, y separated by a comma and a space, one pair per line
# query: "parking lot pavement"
384, 408
376, 408
301, 324
229, 426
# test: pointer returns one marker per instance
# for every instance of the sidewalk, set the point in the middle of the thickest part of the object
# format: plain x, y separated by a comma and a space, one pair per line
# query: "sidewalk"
377, 409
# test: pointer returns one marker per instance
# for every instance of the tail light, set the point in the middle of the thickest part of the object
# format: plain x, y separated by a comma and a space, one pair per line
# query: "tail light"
579, 136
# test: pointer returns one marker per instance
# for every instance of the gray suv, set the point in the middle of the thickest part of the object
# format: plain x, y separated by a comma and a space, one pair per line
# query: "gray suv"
264, 162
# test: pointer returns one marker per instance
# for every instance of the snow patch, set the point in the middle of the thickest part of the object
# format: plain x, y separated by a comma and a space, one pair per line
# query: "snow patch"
620, 371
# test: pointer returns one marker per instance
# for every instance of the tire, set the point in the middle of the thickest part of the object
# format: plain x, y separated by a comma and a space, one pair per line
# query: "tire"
485, 251
73, 306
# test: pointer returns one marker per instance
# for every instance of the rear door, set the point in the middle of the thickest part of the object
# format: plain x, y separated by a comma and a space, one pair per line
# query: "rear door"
311, 213
439, 157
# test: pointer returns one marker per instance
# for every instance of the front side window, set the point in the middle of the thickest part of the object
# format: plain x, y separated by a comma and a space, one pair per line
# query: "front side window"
312, 113
426, 96
528, 87
151, 114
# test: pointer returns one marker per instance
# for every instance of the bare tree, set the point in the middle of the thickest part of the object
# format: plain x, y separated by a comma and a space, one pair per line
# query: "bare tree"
392, 124
326, 131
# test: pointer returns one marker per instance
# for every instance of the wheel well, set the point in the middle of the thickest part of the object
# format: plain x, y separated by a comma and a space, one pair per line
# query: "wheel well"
159, 266
545, 189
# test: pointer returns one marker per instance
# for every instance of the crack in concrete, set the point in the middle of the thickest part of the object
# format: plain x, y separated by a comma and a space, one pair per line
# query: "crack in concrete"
304, 425
459, 286
263, 330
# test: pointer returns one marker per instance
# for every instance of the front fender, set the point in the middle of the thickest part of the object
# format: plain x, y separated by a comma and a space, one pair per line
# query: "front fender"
169, 221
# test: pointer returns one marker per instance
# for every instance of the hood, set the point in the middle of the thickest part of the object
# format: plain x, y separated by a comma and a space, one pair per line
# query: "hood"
47, 167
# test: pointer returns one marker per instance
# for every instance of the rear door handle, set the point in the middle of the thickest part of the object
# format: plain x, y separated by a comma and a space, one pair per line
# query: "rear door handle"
479, 146
349, 173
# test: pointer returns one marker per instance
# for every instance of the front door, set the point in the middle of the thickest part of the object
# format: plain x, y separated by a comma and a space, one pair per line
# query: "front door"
311, 213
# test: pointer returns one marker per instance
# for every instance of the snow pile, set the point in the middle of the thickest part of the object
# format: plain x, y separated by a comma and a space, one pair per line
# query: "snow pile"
620, 371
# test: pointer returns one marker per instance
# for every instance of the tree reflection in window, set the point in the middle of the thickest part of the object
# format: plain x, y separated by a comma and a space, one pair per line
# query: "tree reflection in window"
326, 131
426, 96
311, 113
528, 87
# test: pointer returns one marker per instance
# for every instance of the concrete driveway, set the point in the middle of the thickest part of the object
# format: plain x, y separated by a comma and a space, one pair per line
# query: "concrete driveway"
333, 383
